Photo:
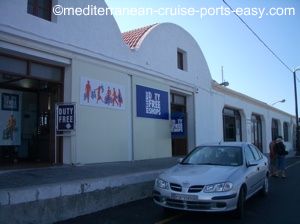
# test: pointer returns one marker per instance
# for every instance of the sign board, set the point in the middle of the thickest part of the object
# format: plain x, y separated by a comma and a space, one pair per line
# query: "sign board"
178, 124
65, 116
152, 103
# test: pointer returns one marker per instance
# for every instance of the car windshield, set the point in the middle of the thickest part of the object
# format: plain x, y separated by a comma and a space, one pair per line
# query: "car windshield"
215, 155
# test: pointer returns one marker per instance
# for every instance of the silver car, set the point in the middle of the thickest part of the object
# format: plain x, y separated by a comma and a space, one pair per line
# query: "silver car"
214, 178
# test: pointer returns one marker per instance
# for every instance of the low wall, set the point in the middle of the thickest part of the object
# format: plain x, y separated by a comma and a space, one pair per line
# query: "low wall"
52, 203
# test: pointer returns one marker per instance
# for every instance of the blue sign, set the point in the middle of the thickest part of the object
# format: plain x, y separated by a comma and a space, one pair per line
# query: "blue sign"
65, 117
178, 124
152, 103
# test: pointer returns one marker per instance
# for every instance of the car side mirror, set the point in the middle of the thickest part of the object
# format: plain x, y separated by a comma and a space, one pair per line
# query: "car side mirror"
251, 163
179, 160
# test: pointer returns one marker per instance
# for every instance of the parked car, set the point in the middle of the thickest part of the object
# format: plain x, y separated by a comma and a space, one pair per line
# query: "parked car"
214, 178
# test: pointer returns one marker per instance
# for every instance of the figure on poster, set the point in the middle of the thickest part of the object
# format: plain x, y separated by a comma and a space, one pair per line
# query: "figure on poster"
120, 98
108, 97
99, 90
114, 97
87, 93
11, 126
93, 94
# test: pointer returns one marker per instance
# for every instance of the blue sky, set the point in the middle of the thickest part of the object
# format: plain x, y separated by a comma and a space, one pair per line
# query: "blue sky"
225, 41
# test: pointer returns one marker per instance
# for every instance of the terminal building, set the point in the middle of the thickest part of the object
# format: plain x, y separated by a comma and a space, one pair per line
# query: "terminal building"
143, 94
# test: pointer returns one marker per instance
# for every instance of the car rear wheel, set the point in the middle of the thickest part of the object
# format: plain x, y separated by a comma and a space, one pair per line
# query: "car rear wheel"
240, 209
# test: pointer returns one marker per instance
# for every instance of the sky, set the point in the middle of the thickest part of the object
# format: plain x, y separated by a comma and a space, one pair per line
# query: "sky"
248, 66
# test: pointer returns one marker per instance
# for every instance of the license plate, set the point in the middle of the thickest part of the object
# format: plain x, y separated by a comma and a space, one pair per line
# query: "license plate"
184, 197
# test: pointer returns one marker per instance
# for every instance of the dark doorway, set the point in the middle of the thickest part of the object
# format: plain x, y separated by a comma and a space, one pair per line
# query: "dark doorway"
36, 126
37, 87
179, 125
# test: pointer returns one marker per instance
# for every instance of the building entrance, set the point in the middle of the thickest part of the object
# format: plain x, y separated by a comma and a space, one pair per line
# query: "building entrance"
179, 125
27, 127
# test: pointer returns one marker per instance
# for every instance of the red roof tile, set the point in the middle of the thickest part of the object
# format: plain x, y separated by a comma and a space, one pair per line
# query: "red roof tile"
133, 37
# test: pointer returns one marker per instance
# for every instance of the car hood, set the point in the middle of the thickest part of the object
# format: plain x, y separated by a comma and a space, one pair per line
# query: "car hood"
199, 174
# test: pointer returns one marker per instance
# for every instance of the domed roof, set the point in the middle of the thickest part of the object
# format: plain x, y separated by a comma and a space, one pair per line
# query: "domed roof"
133, 38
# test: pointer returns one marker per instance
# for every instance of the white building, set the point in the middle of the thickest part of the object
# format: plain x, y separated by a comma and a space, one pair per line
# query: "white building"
130, 90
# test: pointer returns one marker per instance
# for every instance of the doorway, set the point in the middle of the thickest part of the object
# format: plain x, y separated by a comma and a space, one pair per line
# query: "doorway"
28, 105
179, 125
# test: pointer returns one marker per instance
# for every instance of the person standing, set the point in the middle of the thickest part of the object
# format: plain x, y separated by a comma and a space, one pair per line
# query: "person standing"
280, 153
273, 159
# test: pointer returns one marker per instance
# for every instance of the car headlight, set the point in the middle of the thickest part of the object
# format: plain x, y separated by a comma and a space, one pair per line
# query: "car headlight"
219, 187
160, 183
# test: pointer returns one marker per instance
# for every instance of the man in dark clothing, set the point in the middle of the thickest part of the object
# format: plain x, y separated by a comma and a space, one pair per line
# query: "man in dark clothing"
281, 153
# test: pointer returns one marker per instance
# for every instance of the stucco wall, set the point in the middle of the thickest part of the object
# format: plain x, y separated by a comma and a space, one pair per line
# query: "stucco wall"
158, 52
102, 134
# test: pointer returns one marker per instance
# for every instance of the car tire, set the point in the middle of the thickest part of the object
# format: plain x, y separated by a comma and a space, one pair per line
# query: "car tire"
240, 207
265, 190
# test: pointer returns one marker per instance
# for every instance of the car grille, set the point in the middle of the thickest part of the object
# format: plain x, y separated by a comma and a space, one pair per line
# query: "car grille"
195, 205
192, 189
196, 188
176, 187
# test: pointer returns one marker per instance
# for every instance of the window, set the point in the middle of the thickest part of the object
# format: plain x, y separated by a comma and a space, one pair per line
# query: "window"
231, 125
256, 131
181, 60
16, 68
178, 99
40, 8
13, 65
275, 128
285, 131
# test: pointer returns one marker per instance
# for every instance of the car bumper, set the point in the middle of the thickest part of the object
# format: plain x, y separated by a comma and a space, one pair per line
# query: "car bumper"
221, 202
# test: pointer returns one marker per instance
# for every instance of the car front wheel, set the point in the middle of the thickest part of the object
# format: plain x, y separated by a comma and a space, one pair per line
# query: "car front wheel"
240, 208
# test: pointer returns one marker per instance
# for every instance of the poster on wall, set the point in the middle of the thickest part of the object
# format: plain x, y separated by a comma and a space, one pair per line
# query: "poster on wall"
10, 113
101, 94
152, 103
178, 124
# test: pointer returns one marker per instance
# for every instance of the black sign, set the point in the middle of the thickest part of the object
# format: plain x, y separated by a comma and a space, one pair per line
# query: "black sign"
65, 117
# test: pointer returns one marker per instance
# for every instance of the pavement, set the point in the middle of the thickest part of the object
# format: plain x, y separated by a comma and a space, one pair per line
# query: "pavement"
51, 194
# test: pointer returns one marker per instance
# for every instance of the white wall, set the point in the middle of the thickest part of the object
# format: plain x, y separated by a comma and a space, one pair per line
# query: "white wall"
158, 52
102, 134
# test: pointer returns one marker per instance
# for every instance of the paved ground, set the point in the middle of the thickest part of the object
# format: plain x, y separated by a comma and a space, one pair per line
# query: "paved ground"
56, 174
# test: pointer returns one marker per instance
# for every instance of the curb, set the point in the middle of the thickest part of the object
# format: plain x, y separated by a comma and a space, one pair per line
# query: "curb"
56, 202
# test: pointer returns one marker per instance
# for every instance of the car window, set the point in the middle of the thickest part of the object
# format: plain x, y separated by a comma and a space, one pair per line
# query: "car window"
249, 154
215, 155
255, 152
